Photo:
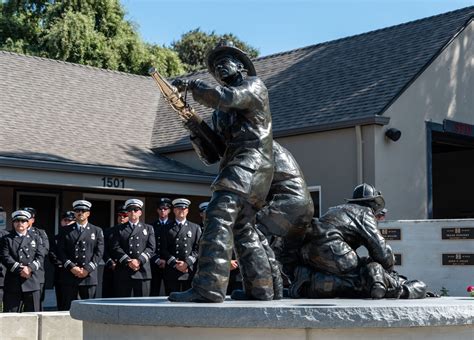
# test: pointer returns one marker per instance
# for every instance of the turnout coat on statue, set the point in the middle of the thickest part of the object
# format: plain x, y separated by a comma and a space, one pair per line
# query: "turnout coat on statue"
83, 249
17, 251
181, 242
243, 121
133, 243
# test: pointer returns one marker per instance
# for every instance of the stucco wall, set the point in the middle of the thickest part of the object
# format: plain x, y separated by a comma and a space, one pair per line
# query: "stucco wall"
328, 159
443, 91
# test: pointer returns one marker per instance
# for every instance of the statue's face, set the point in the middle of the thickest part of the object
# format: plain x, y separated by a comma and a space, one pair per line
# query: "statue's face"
226, 68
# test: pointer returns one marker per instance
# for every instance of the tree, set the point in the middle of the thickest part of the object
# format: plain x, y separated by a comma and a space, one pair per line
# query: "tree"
194, 45
90, 32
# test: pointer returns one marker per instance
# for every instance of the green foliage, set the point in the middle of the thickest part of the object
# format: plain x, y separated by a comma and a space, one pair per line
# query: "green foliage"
194, 45
444, 291
90, 32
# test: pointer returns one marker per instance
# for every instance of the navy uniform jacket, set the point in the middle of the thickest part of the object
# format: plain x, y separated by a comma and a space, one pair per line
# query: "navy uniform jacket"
160, 232
127, 244
44, 248
17, 252
108, 260
80, 249
181, 242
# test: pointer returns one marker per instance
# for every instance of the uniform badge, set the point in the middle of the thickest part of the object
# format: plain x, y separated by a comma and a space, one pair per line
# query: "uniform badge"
189, 234
33, 243
145, 232
92, 236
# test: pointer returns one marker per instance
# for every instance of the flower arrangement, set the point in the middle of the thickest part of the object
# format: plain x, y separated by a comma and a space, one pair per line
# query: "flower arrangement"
470, 290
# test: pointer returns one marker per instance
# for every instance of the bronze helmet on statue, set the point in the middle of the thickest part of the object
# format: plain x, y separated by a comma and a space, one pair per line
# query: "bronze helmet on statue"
226, 47
366, 193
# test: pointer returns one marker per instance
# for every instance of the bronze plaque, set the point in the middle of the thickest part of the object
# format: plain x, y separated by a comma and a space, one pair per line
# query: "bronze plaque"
458, 259
457, 233
398, 259
391, 234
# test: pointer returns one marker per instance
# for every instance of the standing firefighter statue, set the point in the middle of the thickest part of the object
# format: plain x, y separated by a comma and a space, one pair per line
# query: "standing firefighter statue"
242, 141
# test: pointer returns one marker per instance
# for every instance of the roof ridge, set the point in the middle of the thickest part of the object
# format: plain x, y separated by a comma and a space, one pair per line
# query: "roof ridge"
95, 68
362, 34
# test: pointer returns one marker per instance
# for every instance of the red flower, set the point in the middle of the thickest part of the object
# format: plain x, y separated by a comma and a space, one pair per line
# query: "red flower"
470, 289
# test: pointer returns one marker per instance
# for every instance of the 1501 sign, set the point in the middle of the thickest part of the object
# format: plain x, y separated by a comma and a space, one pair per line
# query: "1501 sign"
113, 182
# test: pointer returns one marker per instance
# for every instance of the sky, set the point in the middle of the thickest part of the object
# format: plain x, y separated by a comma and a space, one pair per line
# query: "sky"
274, 26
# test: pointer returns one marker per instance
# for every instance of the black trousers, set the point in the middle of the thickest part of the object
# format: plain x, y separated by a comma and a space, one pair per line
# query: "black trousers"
17, 302
108, 284
42, 294
71, 293
156, 279
176, 286
131, 287
58, 287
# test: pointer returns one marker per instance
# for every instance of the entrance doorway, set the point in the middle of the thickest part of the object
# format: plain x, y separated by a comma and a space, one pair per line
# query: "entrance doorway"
46, 206
104, 209
452, 166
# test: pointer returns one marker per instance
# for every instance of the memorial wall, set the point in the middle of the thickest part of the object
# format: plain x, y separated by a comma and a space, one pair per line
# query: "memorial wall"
438, 252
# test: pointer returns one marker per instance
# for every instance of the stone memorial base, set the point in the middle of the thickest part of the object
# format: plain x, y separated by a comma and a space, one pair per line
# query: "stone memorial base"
157, 318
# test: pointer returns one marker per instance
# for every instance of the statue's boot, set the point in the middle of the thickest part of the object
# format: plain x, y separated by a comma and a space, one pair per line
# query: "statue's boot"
378, 290
189, 295
274, 266
376, 280
415, 289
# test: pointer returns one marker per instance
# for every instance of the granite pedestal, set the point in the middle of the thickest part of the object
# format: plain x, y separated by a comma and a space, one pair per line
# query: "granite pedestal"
157, 318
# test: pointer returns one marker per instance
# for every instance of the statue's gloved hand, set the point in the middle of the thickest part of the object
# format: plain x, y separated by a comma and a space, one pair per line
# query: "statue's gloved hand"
180, 83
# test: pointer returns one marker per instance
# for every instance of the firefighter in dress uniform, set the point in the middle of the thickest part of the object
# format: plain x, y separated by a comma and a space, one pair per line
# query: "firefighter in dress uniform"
108, 277
180, 249
161, 225
80, 248
44, 248
133, 245
67, 218
21, 254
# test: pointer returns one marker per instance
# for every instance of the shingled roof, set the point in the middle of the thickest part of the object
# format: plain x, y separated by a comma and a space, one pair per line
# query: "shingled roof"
336, 84
58, 115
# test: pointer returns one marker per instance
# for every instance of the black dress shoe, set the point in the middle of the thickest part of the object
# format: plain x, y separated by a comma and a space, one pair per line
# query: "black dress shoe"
189, 295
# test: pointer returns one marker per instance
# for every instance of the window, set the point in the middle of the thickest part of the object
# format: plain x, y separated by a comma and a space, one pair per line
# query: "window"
315, 192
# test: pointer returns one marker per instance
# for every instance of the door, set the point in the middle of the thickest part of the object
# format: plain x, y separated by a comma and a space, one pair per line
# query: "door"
46, 206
